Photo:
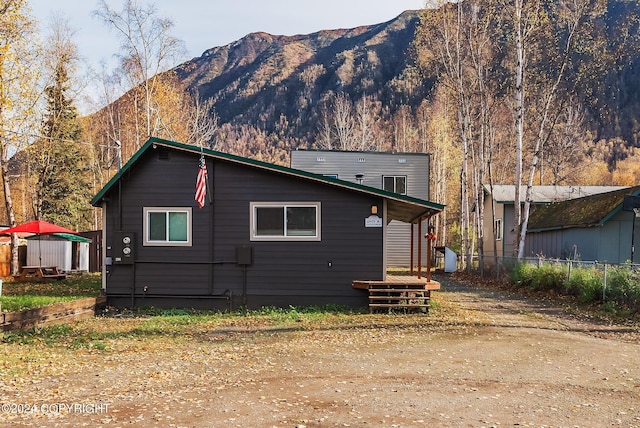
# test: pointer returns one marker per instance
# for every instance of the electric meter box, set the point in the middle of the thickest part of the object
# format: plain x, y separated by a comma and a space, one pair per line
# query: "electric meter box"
123, 248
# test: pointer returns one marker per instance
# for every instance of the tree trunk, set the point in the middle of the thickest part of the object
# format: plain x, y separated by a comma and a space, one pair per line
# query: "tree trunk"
4, 170
519, 119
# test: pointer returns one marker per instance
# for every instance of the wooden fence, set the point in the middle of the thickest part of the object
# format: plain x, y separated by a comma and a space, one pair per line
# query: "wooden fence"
5, 259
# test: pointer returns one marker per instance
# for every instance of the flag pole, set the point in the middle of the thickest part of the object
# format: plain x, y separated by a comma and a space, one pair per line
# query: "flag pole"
206, 180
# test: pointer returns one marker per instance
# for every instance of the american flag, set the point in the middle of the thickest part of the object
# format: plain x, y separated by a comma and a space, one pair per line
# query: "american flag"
201, 182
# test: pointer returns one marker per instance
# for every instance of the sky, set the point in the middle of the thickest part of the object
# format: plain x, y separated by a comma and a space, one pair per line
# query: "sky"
203, 24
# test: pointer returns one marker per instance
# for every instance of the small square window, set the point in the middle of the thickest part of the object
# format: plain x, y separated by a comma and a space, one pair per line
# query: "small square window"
395, 184
167, 226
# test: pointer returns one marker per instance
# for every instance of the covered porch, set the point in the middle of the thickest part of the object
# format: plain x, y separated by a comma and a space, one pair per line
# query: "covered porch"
411, 291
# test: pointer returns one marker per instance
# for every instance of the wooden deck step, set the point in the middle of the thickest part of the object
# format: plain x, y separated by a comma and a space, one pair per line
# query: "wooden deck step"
398, 292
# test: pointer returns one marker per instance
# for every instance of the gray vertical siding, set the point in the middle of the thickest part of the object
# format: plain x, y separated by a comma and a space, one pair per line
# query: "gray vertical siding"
281, 273
374, 165
608, 243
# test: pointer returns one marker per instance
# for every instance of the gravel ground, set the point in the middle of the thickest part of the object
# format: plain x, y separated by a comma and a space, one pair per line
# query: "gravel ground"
482, 357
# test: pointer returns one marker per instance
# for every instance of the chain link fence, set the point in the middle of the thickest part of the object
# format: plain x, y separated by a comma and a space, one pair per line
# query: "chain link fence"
590, 281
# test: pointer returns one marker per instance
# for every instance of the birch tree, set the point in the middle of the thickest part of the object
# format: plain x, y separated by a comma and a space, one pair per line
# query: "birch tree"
440, 43
343, 122
459, 42
553, 72
18, 94
148, 48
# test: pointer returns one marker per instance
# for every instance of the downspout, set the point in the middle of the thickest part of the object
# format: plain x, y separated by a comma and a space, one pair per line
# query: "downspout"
384, 239
213, 233
119, 228
104, 247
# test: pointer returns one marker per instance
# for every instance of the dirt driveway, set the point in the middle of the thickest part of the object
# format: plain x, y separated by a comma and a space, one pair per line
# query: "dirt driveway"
481, 358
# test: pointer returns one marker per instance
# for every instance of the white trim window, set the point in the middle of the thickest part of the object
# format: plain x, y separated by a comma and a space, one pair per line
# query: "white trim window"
395, 183
285, 221
167, 226
498, 227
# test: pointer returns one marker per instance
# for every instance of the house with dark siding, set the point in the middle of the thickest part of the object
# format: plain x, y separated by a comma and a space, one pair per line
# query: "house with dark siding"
267, 235
594, 227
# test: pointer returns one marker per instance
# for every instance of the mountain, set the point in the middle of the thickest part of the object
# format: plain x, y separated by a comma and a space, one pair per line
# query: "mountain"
264, 80
280, 84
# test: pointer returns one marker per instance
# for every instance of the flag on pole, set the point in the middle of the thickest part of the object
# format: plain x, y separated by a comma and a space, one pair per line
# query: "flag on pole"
201, 182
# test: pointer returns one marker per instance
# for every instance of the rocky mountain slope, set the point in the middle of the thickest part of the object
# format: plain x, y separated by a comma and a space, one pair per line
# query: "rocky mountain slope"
277, 83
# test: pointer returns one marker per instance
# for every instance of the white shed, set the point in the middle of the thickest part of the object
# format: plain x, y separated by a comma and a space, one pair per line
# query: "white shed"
65, 251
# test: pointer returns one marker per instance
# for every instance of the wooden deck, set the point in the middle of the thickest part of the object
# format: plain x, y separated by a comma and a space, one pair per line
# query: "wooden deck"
398, 292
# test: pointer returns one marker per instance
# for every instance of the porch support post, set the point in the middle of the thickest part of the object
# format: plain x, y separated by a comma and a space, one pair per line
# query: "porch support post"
428, 260
411, 270
420, 248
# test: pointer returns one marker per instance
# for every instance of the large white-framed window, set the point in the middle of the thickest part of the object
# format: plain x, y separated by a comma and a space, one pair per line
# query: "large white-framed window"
285, 221
395, 183
167, 226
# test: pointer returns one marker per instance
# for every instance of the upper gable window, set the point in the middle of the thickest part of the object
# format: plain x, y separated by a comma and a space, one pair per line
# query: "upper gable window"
395, 184
167, 226
276, 221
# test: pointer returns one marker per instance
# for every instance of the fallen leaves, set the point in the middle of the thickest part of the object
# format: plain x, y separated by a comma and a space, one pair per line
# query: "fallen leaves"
336, 370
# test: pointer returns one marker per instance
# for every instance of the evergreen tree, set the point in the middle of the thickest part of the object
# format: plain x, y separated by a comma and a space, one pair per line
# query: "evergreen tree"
62, 187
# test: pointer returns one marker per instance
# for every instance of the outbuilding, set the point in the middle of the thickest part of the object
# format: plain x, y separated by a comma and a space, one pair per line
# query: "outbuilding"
266, 235
595, 227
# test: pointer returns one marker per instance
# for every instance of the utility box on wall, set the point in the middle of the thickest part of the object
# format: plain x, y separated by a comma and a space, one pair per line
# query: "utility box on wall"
123, 248
244, 255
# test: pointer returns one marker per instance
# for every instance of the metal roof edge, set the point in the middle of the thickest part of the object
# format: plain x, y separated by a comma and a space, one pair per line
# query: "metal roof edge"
569, 226
617, 209
366, 152
263, 165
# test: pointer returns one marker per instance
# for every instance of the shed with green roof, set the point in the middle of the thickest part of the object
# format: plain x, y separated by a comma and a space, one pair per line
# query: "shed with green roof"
592, 228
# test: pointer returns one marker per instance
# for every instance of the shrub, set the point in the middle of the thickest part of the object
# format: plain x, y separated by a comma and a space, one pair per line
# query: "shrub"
522, 274
548, 277
585, 284
623, 286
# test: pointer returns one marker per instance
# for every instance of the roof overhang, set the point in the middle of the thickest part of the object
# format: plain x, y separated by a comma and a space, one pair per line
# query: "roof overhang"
399, 207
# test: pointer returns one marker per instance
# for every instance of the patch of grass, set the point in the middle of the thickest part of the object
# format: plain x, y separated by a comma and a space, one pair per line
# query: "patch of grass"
18, 296
21, 303
152, 324
46, 335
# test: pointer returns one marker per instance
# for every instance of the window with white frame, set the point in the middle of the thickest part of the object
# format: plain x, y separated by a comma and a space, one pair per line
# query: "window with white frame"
395, 184
289, 221
498, 226
167, 226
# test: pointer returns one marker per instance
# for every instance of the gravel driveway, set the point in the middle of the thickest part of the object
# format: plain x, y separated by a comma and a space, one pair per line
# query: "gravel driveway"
480, 358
